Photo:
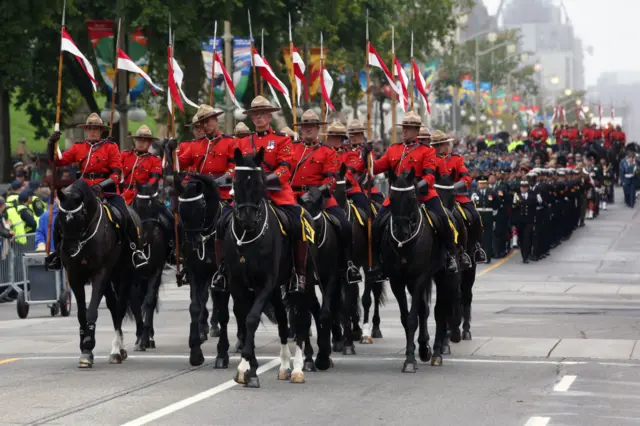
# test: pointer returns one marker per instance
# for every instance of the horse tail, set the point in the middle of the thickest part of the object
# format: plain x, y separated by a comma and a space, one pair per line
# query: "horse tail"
381, 289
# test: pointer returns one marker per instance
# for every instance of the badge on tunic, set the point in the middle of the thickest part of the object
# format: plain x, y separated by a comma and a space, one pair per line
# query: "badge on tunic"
271, 145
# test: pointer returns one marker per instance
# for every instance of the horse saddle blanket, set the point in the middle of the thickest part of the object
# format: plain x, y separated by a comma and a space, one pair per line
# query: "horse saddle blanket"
357, 214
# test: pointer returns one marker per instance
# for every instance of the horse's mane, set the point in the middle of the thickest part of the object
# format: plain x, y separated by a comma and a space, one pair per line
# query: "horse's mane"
82, 188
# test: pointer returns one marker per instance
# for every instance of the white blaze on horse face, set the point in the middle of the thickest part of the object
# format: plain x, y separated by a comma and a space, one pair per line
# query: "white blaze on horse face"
243, 366
116, 343
285, 357
297, 360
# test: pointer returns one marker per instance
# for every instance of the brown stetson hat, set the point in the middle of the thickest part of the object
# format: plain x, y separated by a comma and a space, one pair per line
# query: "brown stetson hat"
309, 117
93, 120
336, 129
260, 104
355, 126
411, 119
241, 130
439, 137
205, 111
144, 132
424, 133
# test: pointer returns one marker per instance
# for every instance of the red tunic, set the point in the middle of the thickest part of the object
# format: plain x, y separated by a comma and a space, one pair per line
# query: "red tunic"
403, 157
143, 168
314, 165
617, 136
597, 134
539, 133
351, 159
278, 159
588, 134
98, 161
361, 168
453, 165
573, 134
209, 157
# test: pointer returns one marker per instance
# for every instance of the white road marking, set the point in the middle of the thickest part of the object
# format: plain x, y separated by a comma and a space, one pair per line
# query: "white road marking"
564, 384
177, 406
537, 421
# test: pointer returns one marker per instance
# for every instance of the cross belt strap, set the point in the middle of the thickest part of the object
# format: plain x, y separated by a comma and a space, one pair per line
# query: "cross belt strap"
93, 176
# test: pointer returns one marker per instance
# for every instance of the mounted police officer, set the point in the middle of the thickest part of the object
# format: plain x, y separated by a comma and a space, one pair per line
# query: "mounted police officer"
139, 166
101, 167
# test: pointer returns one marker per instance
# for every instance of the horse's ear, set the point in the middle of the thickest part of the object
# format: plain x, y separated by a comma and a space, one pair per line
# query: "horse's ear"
259, 157
237, 156
392, 176
177, 183
412, 175
343, 170
61, 196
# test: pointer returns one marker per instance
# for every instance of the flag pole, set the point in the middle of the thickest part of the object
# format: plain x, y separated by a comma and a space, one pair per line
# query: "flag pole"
411, 89
213, 63
323, 104
293, 76
368, 91
253, 64
262, 54
394, 118
114, 86
369, 157
56, 128
176, 214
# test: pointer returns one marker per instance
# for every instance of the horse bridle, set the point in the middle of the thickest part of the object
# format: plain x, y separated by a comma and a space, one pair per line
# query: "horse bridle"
206, 232
418, 228
69, 216
257, 207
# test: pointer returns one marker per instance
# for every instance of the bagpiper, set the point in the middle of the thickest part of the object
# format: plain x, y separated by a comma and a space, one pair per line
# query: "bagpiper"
316, 165
101, 167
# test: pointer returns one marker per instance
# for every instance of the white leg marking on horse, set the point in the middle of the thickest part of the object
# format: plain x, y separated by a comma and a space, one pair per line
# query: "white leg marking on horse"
243, 366
366, 330
285, 357
298, 360
116, 344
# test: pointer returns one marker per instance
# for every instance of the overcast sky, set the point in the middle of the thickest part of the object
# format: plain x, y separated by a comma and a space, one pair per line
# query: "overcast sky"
611, 27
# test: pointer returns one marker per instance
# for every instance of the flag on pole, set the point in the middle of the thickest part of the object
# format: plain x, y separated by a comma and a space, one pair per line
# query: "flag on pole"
376, 61
270, 77
326, 83
68, 45
173, 92
220, 69
178, 77
299, 69
125, 63
421, 85
403, 82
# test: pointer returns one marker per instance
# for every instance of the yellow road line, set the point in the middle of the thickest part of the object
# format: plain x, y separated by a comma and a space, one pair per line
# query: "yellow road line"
500, 262
8, 360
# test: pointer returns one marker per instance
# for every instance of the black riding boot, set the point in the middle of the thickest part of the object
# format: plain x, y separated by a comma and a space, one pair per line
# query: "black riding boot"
479, 254
52, 262
219, 280
299, 280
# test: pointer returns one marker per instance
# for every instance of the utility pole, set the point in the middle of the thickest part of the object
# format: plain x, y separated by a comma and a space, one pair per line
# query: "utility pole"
228, 63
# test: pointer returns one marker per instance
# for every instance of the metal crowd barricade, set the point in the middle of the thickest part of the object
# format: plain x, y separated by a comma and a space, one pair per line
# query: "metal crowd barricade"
11, 270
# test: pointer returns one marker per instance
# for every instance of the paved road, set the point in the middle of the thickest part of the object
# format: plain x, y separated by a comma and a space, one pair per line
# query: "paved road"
555, 343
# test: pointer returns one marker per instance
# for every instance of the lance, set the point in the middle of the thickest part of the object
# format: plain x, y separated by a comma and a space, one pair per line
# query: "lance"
369, 156
213, 62
394, 115
115, 82
367, 72
253, 64
176, 216
52, 182
262, 54
411, 89
293, 76
323, 103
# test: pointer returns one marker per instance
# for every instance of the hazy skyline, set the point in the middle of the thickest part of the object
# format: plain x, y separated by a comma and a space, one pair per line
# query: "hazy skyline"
608, 27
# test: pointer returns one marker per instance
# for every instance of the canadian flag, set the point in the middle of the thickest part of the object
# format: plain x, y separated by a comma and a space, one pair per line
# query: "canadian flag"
68, 45
299, 69
403, 81
421, 85
326, 83
270, 77
220, 69
376, 61
125, 63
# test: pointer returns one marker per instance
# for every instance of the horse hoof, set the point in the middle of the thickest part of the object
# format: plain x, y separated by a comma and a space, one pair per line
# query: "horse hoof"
152, 344
366, 340
376, 333
115, 359
425, 353
338, 346
349, 350
139, 347
239, 378
322, 363
204, 337
466, 335
331, 364
85, 361
124, 354
238, 347
284, 374
196, 357
297, 377
309, 366
215, 332
446, 350
410, 367
455, 335
221, 362
436, 361
356, 335
254, 382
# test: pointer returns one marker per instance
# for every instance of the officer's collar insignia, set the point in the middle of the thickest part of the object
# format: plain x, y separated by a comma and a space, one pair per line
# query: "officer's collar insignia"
271, 145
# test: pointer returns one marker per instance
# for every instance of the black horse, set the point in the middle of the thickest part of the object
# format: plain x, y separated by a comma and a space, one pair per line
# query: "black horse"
157, 238
92, 251
200, 208
322, 270
410, 258
360, 257
259, 261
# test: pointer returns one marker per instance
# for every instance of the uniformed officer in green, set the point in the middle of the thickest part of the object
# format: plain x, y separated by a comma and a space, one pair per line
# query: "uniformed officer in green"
13, 192
487, 205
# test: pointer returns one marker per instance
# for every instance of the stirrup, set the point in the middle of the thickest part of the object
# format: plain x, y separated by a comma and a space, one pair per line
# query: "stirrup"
219, 281
452, 264
479, 254
297, 284
353, 273
137, 253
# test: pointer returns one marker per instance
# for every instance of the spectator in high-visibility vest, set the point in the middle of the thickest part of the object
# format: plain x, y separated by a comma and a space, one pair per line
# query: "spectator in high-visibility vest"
21, 218
11, 196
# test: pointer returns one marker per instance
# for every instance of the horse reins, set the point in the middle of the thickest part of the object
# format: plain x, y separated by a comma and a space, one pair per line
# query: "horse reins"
418, 228
81, 244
